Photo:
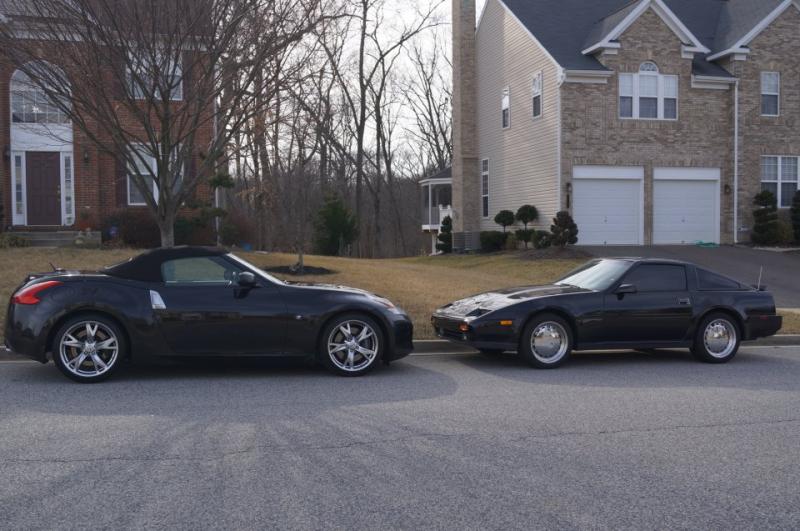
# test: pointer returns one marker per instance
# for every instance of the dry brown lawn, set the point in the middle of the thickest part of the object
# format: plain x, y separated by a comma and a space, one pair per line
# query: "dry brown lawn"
419, 285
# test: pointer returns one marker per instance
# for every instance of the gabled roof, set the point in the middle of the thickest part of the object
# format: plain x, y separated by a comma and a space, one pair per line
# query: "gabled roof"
568, 28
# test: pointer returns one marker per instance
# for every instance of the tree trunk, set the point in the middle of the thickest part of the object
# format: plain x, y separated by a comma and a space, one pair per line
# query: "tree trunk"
167, 228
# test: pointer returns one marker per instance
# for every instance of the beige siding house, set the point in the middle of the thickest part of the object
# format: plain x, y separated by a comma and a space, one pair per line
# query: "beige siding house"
650, 121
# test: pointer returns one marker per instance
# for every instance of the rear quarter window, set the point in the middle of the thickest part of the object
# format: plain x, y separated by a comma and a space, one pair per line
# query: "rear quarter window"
708, 281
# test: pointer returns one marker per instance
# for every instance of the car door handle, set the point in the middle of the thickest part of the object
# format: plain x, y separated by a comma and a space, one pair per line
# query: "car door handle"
684, 302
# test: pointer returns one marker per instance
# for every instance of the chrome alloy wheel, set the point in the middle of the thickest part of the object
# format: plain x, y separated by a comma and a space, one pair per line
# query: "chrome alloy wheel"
549, 342
353, 346
719, 338
88, 349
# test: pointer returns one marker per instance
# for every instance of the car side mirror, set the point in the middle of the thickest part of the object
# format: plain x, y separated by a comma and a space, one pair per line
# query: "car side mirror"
626, 289
246, 279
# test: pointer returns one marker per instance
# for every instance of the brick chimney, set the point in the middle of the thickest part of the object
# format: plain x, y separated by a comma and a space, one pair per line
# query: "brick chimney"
466, 174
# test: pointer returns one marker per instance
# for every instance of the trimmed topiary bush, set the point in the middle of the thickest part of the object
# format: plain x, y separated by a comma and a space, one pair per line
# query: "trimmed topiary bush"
542, 239
445, 236
796, 216
525, 236
564, 230
492, 241
504, 218
765, 219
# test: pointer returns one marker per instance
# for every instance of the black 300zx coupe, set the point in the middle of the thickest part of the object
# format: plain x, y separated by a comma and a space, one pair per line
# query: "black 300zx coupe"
191, 301
612, 304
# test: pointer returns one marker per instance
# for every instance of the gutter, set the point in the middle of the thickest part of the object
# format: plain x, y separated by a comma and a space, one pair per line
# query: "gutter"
736, 162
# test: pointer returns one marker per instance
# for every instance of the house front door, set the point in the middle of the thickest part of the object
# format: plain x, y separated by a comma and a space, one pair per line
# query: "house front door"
43, 179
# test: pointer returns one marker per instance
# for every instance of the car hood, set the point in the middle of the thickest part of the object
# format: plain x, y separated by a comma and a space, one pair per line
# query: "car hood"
331, 287
484, 303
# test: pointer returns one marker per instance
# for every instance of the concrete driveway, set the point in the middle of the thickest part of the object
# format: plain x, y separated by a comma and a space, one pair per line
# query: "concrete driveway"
781, 270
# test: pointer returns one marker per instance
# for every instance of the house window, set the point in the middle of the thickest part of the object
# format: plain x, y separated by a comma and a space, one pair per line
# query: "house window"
537, 95
30, 104
144, 167
150, 80
770, 93
648, 95
506, 111
485, 187
779, 175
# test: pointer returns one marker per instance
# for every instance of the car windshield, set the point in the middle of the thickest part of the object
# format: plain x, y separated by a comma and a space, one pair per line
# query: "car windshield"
255, 269
597, 275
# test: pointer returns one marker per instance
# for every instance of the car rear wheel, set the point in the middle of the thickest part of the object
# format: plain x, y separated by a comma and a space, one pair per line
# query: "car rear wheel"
352, 345
717, 339
546, 342
88, 348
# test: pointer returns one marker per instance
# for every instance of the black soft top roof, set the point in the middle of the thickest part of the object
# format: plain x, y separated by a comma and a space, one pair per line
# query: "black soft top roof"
147, 266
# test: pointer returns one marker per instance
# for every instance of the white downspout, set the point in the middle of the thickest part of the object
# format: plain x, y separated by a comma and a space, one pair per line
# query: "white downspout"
736, 162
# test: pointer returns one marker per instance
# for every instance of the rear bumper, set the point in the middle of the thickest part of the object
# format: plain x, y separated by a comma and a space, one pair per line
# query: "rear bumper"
763, 326
23, 333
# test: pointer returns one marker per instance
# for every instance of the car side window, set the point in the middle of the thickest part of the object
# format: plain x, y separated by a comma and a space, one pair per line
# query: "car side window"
657, 277
708, 281
199, 270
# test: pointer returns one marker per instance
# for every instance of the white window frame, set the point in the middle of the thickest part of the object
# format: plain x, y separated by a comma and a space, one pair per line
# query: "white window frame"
660, 94
537, 90
485, 188
131, 182
505, 107
177, 93
777, 94
778, 181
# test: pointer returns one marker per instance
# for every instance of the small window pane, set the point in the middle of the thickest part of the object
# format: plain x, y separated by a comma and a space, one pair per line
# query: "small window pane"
486, 206
626, 85
626, 107
708, 281
18, 184
770, 82
485, 185
648, 86
485, 165
648, 67
206, 269
769, 105
787, 194
537, 106
670, 87
789, 169
769, 168
505, 118
648, 107
670, 109
135, 196
770, 187
648, 278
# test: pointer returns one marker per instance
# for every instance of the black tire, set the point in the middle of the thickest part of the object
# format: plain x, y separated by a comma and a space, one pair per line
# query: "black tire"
562, 332
334, 337
491, 352
724, 325
105, 330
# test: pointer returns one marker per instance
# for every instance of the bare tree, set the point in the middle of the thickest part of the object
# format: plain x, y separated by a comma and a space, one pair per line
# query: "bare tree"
144, 79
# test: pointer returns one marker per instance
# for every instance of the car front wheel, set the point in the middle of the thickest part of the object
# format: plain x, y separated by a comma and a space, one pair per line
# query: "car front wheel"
717, 339
351, 345
546, 342
88, 348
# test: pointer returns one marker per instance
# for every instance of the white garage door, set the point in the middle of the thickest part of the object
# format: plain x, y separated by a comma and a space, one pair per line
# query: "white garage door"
608, 211
685, 211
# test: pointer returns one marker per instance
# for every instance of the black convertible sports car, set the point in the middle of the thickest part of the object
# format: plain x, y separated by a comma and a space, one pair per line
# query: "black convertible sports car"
194, 301
615, 303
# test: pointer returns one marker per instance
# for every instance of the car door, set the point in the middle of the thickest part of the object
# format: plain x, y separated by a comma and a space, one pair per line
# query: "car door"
651, 303
206, 311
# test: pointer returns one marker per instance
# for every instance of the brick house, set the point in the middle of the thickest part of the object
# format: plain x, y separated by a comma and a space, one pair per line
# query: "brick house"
52, 178
651, 121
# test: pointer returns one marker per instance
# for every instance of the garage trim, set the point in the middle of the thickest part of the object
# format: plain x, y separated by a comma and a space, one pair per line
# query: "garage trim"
632, 173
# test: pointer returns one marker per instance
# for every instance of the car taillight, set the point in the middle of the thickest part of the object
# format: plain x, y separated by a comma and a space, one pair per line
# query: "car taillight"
29, 295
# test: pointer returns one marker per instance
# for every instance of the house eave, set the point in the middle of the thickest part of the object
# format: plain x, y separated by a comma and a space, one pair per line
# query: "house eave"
586, 76
713, 82
740, 46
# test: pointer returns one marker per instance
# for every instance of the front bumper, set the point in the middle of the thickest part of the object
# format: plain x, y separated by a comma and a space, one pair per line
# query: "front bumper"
763, 326
477, 335
402, 330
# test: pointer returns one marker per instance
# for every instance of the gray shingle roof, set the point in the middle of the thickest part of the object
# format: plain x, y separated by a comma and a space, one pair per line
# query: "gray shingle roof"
567, 27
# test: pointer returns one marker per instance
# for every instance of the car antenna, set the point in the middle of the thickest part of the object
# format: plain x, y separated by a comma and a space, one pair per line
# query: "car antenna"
760, 273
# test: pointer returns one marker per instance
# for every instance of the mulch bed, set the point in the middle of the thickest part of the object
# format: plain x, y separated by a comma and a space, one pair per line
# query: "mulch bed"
307, 270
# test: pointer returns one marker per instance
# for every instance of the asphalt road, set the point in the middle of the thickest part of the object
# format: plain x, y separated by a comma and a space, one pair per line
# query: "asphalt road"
610, 441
